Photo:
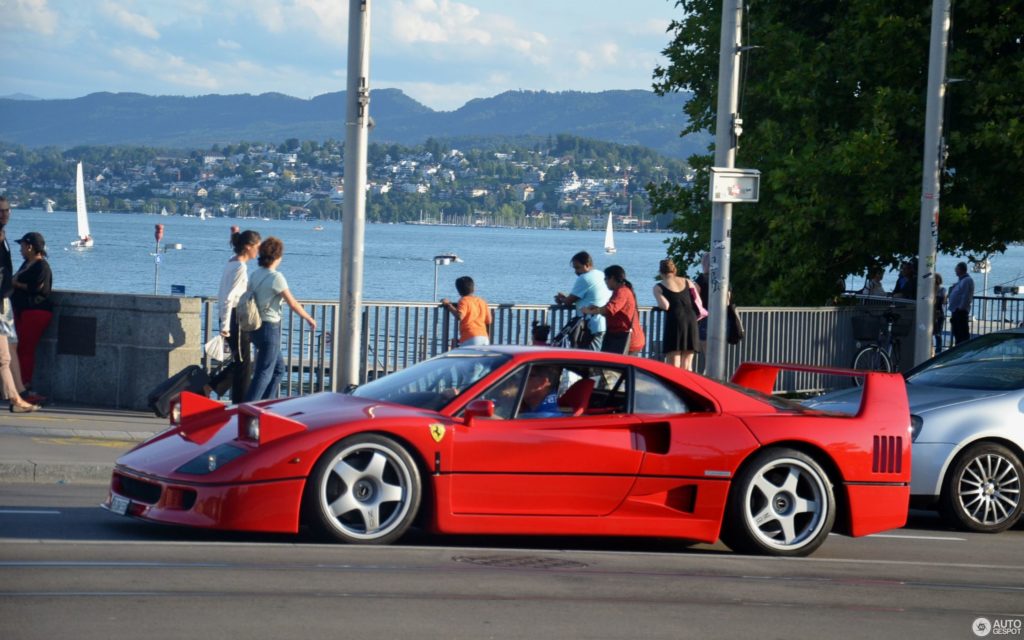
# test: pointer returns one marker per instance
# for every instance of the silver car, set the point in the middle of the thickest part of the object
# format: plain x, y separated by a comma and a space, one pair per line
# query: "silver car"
967, 412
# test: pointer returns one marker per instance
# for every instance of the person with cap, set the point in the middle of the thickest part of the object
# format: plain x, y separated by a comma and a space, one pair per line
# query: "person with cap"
33, 309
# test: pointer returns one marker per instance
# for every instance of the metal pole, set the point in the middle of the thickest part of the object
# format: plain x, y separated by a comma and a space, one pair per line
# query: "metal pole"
928, 235
348, 331
156, 269
725, 156
435, 280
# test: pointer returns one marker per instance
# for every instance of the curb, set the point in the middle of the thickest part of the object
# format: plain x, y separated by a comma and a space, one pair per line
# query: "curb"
109, 434
29, 472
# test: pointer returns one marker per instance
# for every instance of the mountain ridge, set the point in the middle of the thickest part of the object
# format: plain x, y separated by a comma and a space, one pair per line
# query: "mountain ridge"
622, 116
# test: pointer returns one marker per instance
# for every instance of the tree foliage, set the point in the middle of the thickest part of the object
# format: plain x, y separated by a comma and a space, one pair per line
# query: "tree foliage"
833, 102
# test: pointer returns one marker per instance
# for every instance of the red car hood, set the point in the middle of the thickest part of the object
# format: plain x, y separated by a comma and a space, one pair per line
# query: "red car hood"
329, 409
164, 454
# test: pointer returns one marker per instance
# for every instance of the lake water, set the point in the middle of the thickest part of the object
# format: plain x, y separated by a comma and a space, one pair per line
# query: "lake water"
508, 265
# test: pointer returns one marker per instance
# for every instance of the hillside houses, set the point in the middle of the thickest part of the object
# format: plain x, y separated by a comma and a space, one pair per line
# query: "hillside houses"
499, 185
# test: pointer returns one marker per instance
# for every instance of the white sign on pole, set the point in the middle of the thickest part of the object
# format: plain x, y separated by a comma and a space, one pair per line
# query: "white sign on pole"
735, 185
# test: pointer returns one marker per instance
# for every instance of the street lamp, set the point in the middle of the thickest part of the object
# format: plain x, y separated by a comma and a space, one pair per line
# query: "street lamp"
443, 260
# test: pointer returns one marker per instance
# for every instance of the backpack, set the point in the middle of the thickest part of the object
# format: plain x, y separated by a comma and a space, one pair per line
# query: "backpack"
248, 312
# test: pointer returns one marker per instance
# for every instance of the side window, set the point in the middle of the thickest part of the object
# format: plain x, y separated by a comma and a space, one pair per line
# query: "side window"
611, 390
505, 394
652, 395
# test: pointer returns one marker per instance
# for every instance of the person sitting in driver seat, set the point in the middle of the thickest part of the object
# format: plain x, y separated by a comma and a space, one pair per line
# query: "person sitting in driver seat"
540, 397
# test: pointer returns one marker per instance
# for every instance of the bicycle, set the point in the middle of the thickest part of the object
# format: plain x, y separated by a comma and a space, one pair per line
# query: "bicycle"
883, 354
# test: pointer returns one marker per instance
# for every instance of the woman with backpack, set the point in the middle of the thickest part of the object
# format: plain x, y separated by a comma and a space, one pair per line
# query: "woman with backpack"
269, 289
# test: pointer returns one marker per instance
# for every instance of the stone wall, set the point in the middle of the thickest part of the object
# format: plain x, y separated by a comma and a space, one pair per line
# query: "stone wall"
110, 350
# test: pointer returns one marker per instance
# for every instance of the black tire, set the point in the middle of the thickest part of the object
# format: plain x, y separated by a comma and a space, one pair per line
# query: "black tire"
981, 491
365, 489
780, 504
870, 359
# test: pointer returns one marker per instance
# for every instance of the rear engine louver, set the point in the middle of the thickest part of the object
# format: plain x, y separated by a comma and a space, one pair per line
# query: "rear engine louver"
887, 454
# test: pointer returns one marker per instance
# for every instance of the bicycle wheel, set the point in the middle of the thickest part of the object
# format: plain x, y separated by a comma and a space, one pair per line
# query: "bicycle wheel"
871, 359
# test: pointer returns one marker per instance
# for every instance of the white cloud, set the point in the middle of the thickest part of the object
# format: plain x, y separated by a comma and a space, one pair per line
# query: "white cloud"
136, 22
34, 15
167, 67
230, 45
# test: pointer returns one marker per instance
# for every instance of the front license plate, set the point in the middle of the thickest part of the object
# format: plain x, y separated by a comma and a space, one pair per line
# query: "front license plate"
119, 505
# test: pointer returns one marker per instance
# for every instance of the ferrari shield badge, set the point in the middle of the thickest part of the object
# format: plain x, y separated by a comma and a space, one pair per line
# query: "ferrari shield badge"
437, 431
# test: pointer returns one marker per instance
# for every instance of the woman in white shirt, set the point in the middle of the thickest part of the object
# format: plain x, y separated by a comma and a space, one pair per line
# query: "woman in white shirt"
270, 288
233, 283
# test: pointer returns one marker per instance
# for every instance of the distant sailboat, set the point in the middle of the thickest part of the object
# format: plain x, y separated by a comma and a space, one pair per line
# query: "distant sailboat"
163, 211
609, 238
49, 205
84, 236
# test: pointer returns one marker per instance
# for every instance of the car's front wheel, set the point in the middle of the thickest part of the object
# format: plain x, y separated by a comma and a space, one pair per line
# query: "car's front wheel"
365, 489
982, 489
780, 504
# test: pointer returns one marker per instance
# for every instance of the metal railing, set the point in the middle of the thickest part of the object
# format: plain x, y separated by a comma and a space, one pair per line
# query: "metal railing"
399, 334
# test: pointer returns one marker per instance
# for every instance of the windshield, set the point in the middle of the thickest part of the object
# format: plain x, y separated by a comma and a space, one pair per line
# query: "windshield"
433, 383
993, 362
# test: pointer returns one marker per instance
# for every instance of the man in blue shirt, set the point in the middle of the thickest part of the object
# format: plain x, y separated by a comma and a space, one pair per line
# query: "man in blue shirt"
960, 298
589, 289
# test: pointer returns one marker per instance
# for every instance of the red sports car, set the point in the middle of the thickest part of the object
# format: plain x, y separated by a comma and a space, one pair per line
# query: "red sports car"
522, 440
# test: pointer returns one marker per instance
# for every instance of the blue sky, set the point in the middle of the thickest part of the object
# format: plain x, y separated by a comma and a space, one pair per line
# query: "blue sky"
440, 52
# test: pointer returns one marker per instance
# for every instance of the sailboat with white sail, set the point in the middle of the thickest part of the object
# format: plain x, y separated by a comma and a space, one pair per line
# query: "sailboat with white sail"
84, 236
49, 205
609, 237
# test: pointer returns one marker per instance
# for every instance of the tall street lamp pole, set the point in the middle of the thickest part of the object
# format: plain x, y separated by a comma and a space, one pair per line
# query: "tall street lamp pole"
348, 325
727, 129
928, 231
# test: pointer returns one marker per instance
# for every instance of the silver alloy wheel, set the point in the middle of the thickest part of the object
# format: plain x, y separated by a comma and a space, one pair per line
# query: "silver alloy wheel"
988, 489
785, 505
366, 491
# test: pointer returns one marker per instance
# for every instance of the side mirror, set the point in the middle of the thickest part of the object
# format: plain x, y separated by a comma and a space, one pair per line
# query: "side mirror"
479, 409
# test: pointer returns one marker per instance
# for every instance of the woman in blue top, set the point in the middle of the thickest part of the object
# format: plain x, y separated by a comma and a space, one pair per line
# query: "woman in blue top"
270, 288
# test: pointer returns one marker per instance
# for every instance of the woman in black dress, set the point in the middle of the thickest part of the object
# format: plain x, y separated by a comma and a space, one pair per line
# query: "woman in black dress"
674, 294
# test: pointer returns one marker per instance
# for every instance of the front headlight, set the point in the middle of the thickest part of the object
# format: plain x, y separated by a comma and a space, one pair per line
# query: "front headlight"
211, 460
916, 422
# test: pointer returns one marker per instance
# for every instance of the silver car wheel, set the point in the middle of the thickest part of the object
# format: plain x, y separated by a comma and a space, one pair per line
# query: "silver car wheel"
368, 491
988, 489
786, 504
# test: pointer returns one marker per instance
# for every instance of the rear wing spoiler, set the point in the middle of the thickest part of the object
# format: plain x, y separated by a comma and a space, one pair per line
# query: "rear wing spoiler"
884, 395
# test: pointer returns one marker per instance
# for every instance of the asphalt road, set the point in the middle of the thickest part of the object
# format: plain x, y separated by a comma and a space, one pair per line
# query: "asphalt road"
71, 570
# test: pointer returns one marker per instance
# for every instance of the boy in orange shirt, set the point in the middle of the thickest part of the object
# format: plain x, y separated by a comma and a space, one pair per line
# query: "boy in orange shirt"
473, 314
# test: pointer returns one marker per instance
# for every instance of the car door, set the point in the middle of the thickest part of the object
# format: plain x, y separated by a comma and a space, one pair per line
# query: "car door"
576, 465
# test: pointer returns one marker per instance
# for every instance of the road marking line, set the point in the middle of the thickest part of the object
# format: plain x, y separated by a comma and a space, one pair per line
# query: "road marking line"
76, 439
890, 535
29, 512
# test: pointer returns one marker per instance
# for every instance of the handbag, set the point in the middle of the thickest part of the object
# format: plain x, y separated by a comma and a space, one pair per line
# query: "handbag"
7, 320
248, 312
701, 311
734, 331
215, 348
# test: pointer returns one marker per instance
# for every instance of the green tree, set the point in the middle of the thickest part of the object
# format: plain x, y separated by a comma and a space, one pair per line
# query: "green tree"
833, 103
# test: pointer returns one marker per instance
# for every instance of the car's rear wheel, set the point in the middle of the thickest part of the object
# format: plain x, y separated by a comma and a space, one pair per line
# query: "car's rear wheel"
366, 489
982, 490
780, 504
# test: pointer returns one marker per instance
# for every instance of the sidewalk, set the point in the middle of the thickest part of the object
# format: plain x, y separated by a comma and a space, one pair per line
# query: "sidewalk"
69, 443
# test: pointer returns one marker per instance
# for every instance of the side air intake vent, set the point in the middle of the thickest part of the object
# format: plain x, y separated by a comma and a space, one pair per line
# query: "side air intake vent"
887, 454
